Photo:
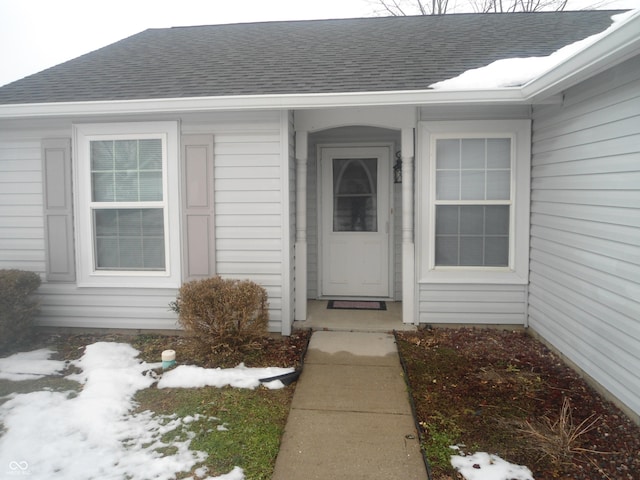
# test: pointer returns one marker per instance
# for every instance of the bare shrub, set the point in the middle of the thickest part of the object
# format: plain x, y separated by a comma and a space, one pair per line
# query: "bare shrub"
559, 439
17, 306
222, 314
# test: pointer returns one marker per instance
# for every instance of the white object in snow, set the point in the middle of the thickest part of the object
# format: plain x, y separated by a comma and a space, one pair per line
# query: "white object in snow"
168, 358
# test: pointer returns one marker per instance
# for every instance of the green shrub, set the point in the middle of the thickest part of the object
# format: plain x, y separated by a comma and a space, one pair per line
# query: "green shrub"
222, 314
17, 306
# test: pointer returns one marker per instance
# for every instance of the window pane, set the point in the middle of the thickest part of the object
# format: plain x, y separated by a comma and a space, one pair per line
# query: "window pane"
447, 154
130, 253
473, 185
471, 220
126, 155
497, 220
471, 251
124, 235
102, 155
126, 186
480, 238
447, 219
153, 252
107, 253
126, 170
106, 222
447, 251
499, 153
498, 185
496, 251
102, 186
473, 169
150, 186
150, 154
448, 185
473, 154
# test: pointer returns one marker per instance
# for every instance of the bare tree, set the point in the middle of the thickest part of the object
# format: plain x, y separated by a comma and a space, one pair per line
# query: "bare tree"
440, 7
399, 8
510, 6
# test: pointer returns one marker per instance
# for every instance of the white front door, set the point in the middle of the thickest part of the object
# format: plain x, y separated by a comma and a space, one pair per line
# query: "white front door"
355, 221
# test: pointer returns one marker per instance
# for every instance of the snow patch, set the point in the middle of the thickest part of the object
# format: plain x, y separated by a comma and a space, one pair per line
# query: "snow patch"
93, 434
30, 365
189, 376
484, 466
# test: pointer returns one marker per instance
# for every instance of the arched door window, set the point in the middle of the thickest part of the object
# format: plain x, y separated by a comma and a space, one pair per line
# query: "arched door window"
355, 206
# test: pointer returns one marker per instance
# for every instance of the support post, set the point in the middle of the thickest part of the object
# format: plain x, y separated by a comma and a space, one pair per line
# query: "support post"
408, 245
301, 227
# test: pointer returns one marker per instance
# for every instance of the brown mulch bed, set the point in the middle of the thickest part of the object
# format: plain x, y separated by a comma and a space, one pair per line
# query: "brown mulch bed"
268, 351
502, 392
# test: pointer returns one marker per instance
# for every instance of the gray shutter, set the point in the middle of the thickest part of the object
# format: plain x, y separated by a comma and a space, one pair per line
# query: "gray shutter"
58, 210
197, 201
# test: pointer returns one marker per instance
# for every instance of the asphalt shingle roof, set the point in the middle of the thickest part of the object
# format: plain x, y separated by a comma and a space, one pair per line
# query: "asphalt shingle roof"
316, 56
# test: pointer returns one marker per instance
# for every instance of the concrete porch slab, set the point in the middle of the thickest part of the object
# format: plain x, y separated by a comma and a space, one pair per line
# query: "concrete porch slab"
352, 348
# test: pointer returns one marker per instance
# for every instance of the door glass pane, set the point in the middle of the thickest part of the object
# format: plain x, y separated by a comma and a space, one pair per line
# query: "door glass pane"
355, 196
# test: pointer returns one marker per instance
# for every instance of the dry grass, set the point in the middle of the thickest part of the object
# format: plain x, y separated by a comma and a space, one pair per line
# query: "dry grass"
559, 439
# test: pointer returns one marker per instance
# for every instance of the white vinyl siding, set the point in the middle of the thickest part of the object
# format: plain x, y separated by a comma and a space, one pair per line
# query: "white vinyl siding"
584, 296
66, 305
472, 304
248, 191
21, 204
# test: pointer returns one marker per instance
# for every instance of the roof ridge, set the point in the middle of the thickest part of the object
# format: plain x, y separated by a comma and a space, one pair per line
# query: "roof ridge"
392, 17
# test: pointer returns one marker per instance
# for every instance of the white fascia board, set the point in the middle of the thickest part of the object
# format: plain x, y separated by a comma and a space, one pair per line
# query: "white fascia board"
622, 43
261, 102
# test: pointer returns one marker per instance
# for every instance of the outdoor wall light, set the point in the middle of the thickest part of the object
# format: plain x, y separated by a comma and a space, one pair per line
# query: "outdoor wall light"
397, 168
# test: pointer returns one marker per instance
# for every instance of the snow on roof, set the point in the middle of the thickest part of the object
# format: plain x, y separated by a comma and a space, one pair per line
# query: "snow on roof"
515, 72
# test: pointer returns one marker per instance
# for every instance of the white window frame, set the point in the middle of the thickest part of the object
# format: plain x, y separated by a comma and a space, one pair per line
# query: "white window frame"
88, 275
517, 271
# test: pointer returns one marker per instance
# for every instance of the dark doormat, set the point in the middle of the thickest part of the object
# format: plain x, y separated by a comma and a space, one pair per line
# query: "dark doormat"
356, 305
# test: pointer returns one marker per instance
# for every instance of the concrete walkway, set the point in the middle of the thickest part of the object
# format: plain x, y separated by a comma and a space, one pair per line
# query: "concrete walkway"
350, 416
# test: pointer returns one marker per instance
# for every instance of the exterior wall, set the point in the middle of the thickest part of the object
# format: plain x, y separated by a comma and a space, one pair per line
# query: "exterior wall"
249, 176
348, 135
584, 296
21, 204
471, 304
460, 303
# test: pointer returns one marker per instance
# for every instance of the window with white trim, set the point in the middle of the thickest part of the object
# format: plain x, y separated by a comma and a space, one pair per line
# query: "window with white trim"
476, 187
472, 201
127, 204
